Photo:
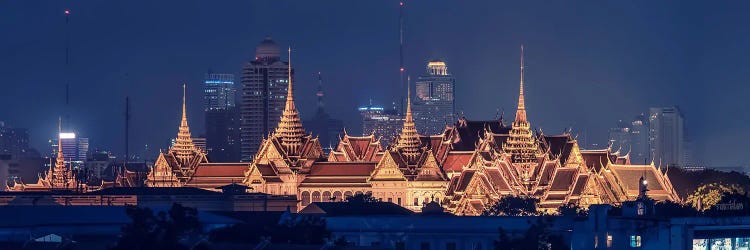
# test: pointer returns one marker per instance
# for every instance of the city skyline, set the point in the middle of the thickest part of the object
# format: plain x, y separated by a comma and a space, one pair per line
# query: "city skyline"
572, 70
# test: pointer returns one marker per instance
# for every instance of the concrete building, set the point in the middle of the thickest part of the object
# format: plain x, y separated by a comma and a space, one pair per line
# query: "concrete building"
667, 136
221, 117
75, 148
434, 105
384, 124
264, 88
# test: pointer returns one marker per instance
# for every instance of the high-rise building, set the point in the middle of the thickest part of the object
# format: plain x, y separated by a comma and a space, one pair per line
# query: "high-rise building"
200, 143
24, 163
434, 103
264, 89
222, 118
74, 148
666, 136
13, 141
620, 137
386, 124
639, 140
219, 91
322, 124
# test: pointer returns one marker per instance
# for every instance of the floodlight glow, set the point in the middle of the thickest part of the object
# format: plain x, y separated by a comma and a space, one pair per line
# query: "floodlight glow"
67, 135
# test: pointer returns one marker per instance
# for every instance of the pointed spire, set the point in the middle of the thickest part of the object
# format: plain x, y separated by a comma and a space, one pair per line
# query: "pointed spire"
183, 146
521, 112
59, 141
184, 106
408, 141
290, 126
58, 175
522, 145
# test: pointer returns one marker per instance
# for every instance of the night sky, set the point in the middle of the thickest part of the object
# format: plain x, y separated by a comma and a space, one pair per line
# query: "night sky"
589, 64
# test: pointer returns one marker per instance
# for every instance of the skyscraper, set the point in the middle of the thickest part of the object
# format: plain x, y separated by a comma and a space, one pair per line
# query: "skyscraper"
322, 124
74, 148
434, 104
639, 149
620, 137
264, 89
666, 136
13, 141
222, 118
386, 124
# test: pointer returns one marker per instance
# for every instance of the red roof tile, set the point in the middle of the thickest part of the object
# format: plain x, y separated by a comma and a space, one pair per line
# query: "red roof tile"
221, 170
456, 161
563, 180
342, 168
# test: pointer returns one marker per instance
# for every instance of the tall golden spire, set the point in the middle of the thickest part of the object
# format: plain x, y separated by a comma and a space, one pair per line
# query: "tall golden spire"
408, 141
521, 144
183, 145
290, 126
59, 176
521, 111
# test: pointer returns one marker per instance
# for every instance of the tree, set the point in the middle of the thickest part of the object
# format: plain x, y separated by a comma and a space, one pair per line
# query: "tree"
572, 209
513, 206
669, 209
708, 195
165, 230
361, 198
538, 236
302, 229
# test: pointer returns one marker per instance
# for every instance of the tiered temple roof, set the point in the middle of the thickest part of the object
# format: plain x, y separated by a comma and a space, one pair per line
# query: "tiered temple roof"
287, 155
357, 149
550, 168
177, 166
58, 177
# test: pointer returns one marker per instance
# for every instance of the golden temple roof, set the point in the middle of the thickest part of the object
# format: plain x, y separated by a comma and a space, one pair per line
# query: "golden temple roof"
290, 129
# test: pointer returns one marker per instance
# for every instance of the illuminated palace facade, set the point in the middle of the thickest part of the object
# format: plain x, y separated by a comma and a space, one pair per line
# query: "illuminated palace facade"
466, 168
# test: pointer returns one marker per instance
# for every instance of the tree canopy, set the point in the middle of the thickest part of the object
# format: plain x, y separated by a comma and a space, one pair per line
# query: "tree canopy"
513, 206
161, 231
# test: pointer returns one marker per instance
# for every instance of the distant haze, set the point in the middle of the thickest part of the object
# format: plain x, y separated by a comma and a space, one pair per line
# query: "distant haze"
589, 63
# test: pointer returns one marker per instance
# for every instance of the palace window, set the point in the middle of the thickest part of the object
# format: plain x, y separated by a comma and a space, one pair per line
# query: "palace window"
416, 201
635, 241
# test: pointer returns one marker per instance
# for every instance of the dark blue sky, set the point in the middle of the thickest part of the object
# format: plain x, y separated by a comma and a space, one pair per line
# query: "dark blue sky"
589, 63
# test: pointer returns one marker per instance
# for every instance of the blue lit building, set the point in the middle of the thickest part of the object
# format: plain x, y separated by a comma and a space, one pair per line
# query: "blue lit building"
222, 118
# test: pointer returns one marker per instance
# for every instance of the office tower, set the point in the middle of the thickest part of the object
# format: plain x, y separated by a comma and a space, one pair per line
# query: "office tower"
222, 118
385, 124
264, 89
13, 141
666, 136
74, 148
434, 103
639, 140
98, 162
200, 143
322, 125
620, 137
632, 138
24, 162
218, 91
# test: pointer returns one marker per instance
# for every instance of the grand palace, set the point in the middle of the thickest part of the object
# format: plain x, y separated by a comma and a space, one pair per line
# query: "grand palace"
466, 168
